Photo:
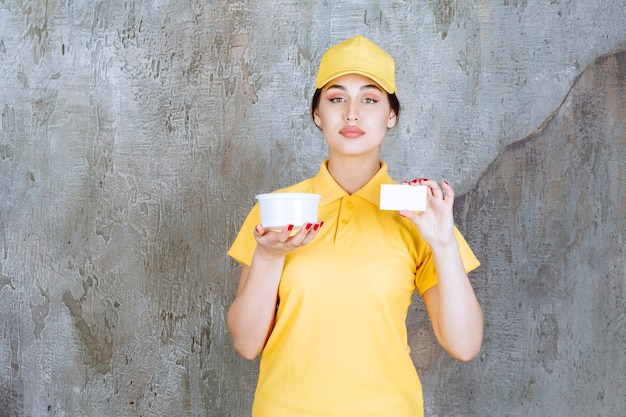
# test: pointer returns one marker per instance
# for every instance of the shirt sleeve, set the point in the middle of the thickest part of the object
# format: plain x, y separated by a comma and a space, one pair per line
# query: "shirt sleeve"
244, 245
426, 276
470, 262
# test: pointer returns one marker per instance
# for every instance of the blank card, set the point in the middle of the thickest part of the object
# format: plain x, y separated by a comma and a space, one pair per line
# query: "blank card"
403, 197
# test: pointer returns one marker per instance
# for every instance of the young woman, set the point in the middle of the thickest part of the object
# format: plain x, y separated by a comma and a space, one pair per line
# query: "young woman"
327, 305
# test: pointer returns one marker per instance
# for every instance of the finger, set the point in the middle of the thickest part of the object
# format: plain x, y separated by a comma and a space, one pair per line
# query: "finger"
259, 230
433, 186
448, 190
314, 230
408, 214
298, 238
284, 234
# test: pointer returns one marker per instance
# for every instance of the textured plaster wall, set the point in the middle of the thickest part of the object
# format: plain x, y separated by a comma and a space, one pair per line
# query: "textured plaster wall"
134, 136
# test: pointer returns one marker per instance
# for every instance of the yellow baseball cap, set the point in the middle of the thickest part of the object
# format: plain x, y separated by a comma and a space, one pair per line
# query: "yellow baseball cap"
357, 55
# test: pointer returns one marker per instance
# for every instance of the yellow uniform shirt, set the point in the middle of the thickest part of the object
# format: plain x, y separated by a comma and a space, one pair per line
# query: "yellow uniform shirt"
339, 344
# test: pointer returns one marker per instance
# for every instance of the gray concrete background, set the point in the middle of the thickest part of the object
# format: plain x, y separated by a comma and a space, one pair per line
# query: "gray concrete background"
134, 136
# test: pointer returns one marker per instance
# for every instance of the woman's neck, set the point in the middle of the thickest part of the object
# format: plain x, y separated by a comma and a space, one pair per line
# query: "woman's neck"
352, 173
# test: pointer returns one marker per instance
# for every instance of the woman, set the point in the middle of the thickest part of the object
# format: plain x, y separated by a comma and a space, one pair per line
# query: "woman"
327, 305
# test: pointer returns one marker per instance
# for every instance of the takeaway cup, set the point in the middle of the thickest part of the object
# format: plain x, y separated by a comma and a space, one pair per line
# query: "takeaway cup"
279, 210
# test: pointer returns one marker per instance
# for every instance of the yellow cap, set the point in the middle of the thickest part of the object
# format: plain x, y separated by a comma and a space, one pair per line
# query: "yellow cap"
357, 55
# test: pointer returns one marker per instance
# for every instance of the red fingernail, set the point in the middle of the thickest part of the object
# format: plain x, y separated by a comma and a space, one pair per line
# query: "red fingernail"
308, 226
414, 181
446, 182
424, 179
290, 227
321, 223
317, 226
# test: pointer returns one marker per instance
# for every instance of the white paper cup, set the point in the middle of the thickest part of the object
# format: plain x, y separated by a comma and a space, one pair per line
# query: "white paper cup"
279, 210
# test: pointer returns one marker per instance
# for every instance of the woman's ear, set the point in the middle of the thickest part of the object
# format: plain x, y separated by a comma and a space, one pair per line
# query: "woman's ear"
393, 118
317, 119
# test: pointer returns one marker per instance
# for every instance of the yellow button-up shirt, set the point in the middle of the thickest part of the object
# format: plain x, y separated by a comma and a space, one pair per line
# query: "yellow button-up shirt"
339, 344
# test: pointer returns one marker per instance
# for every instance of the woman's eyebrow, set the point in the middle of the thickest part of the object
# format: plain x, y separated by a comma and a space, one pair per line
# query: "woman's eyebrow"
335, 86
365, 87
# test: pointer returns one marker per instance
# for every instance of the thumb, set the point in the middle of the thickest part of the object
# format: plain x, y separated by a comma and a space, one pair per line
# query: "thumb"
259, 230
408, 214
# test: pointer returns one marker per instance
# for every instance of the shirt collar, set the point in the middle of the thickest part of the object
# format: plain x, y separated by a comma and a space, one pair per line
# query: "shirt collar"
325, 184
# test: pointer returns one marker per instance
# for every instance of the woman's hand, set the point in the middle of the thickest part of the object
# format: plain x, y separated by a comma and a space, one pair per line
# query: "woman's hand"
451, 304
274, 244
251, 315
436, 223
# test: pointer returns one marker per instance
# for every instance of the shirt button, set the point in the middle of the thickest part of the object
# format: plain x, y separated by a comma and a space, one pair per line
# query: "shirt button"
349, 204
344, 221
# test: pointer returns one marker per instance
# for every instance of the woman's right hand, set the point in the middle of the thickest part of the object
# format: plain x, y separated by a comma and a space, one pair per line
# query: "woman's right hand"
277, 244
251, 315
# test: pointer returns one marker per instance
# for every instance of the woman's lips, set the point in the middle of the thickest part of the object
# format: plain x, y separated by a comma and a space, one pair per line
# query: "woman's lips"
351, 132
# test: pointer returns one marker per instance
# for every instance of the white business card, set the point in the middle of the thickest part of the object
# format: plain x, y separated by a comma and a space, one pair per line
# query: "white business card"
403, 197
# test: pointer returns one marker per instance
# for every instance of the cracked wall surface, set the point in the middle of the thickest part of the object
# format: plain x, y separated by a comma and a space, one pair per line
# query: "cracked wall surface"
134, 136
549, 217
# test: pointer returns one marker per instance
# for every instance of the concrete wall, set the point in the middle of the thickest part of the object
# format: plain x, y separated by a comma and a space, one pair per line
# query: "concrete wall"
134, 136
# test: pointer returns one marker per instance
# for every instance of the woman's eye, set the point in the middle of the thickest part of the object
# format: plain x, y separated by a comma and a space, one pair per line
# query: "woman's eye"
336, 100
369, 100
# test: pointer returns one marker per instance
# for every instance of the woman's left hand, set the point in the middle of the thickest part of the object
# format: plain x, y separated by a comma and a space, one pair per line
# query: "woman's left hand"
451, 304
436, 223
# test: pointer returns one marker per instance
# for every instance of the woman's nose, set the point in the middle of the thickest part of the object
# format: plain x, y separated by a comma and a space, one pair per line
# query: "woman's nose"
352, 115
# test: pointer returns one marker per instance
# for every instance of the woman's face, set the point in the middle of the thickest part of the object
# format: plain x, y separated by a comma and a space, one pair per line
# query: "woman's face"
354, 114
